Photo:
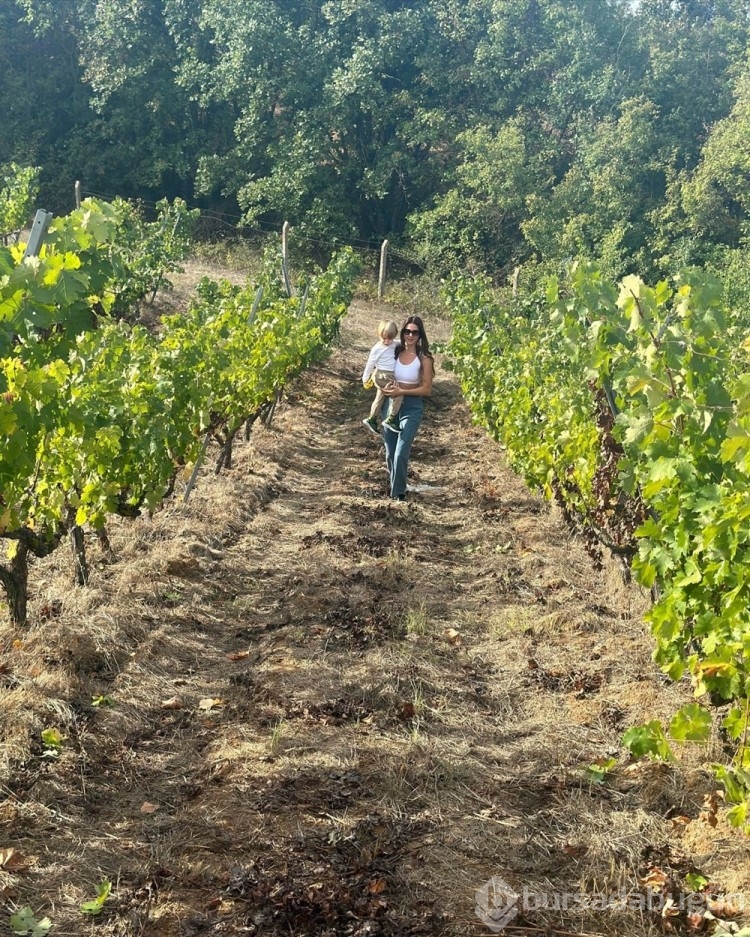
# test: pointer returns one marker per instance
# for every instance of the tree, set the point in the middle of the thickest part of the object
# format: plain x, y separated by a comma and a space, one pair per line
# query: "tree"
333, 128
476, 223
693, 48
601, 208
136, 132
44, 102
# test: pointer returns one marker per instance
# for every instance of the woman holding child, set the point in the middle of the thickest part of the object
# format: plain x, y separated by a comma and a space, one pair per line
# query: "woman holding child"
412, 377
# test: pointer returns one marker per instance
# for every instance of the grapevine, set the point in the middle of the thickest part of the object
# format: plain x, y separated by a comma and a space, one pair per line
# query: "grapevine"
630, 405
99, 421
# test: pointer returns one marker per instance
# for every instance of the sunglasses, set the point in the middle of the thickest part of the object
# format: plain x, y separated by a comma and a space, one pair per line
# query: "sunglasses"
411, 332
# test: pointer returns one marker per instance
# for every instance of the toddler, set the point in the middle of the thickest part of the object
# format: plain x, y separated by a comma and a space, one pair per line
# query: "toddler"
379, 371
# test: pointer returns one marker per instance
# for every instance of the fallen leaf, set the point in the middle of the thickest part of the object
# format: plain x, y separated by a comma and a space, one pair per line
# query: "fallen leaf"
724, 907
209, 703
222, 769
174, 702
238, 655
408, 711
376, 887
147, 807
575, 851
12, 861
710, 809
670, 909
680, 822
655, 879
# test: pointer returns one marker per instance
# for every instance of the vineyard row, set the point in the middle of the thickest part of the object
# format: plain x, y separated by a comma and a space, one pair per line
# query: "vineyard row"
98, 416
629, 405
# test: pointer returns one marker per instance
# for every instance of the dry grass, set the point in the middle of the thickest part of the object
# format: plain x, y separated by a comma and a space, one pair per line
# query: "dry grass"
335, 715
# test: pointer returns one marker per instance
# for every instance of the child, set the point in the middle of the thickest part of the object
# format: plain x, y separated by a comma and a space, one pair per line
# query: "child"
379, 370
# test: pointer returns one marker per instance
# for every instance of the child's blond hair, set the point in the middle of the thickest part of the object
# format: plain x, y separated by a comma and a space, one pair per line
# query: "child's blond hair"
387, 329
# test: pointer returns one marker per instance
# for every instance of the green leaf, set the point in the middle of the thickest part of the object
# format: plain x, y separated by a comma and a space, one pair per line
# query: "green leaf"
734, 723
691, 724
24, 923
696, 881
95, 906
648, 740
734, 445
597, 772
737, 815
53, 738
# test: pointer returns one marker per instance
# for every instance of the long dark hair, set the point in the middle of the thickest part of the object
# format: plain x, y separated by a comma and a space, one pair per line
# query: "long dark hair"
423, 346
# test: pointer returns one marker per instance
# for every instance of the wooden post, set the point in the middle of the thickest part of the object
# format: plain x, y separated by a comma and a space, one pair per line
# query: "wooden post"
198, 463
285, 258
301, 310
78, 194
256, 303
38, 230
381, 275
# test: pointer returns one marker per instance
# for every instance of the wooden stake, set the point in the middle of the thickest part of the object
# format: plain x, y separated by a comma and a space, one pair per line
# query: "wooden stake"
285, 258
381, 275
196, 467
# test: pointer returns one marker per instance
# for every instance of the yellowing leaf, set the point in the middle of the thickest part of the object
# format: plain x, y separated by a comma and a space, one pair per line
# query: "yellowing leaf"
452, 636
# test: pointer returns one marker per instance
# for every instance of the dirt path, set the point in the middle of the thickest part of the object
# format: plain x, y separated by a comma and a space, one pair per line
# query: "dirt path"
332, 714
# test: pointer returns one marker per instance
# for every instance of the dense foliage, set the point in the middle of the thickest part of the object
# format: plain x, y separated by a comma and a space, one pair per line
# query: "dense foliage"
97, 416
630, 405
491, 132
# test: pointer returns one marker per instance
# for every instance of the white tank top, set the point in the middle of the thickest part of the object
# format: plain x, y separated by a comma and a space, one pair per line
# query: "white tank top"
407, 373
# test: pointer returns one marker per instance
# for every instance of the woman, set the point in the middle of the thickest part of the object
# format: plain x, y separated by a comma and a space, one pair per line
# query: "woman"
412, 377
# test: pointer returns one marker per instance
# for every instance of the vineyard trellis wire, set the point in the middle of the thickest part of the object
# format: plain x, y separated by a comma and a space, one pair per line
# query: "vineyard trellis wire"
212, 226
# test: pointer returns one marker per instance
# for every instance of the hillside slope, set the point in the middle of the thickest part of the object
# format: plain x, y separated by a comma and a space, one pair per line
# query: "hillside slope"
320, 712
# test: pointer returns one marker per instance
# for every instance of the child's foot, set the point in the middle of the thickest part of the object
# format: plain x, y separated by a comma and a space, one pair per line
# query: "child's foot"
391, 423
372, 424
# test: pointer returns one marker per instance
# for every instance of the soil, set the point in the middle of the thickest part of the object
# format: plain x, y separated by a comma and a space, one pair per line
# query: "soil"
291, 706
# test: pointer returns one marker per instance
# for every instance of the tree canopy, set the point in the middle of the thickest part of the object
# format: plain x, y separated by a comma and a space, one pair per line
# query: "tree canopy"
485, 133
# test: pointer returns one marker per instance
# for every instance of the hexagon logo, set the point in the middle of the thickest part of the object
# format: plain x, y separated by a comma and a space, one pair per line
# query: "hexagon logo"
496, 904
